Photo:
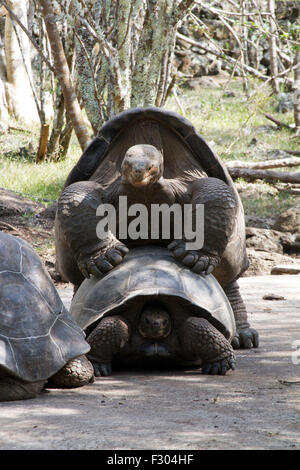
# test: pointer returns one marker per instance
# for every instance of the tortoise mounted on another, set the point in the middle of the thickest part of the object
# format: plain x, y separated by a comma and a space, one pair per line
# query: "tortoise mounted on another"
153, 156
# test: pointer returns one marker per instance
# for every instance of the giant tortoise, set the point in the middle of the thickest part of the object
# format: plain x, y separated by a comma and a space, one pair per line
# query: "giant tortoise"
153, 311
153, 157
39, 340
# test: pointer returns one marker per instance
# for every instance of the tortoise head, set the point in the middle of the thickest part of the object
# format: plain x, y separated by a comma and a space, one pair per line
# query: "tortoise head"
154, 322
142, 165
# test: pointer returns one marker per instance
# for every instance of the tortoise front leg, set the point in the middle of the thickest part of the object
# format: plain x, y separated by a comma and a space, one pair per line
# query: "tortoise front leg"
245, 336
200, 340
220, 209
107, 340
76, 223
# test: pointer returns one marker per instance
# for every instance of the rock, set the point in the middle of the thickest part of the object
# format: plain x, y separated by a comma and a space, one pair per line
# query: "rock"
265, 128
276, 155
201, 82
273, 297
262, 262
285, 102
271, 240
259, 222
263, 240
195, 64
289, 221
287, 10
13, 204
286, 269
49, 212
229, 94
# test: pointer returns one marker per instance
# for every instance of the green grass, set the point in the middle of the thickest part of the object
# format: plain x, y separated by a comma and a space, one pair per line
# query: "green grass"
230, 123
39, 181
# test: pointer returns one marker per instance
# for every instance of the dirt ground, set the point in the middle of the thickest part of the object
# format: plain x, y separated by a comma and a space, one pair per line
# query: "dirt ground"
257, 406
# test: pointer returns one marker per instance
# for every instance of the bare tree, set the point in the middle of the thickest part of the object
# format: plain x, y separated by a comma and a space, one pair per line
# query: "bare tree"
297, 93
63, 74
4, 116
297, 87
124, 52
273, 47
19, 85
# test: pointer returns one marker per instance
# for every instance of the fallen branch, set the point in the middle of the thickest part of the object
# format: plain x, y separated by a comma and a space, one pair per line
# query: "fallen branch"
18, 129
289, 382
292, 152
288, 189
266, 175
277, 122
280, 163
11, 228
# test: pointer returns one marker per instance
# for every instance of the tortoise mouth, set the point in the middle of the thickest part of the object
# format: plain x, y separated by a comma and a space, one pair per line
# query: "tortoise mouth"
154, 324
145, 180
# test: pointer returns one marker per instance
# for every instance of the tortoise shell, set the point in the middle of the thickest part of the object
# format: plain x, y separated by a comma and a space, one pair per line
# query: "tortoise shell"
37, 334
166, 130
186, 156
151, 273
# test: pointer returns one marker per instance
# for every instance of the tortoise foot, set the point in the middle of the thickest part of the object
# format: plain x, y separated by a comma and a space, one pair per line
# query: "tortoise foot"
201, 340
198, 261
218, 367
245, 338
102, 260
76, 373
102, 369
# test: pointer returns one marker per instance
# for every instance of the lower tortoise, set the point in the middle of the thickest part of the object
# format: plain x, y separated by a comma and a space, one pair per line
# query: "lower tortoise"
153, 311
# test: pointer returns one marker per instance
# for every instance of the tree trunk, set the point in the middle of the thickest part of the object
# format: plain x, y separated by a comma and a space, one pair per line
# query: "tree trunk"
87, 84
4, 117
273, 47
297, 92
18, 65
64, 141
297, 87
153, 65
63, 75
42, 150
57, 124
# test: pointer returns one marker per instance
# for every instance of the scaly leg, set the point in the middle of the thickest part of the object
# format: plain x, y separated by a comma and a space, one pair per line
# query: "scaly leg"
201, 340
220, 209
245, 336
76, 236
107, 340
